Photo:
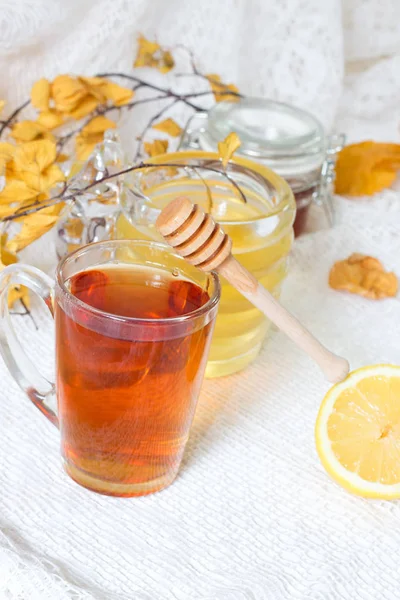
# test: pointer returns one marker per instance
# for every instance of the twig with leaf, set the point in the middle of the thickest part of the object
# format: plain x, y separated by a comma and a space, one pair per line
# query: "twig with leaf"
41, 156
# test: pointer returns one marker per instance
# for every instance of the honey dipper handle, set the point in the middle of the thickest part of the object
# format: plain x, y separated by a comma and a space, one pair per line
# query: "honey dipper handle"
335, 368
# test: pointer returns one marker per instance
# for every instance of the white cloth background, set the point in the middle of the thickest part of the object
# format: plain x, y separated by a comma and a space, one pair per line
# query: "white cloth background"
252, 515
292, 50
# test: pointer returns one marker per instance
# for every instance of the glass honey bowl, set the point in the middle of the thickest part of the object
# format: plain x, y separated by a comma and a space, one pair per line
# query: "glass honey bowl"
260, 226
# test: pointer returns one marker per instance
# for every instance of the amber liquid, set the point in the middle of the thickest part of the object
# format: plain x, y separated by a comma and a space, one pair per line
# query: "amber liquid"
127, 390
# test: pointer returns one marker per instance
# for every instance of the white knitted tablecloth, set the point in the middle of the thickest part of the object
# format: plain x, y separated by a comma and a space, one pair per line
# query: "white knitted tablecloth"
252, 515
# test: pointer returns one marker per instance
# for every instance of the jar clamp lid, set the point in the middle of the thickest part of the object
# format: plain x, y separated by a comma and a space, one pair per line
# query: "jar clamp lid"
288, 140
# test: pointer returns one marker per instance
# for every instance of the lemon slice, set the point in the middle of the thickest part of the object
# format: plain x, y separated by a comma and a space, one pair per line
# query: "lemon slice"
358, 432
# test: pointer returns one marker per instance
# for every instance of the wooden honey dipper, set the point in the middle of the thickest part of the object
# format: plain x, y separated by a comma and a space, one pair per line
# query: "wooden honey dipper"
195, 235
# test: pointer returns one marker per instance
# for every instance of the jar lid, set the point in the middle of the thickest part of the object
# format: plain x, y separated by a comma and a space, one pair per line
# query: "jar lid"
287, 139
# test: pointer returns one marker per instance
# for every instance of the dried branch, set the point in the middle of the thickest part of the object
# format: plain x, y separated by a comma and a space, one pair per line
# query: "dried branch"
185, 98
149, 126
102, 111
74, 193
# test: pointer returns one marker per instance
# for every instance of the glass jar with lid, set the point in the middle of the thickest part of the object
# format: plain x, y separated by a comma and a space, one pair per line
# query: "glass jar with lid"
284, 138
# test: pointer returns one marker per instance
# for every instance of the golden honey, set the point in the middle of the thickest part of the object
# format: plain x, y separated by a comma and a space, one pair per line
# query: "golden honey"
260, 228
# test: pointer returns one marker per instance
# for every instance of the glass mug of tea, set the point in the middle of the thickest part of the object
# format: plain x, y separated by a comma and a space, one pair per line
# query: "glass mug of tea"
133, 328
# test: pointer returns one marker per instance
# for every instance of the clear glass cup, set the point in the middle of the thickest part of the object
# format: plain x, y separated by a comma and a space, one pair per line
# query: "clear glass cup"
126, 387
261, 229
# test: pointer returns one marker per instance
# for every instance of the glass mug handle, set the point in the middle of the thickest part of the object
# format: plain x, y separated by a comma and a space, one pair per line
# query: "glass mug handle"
38, 388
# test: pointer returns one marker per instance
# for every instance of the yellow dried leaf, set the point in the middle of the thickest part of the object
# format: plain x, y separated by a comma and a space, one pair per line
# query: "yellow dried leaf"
28, 131
145, 52
228, 147
6, 210
150, 54
84, 108
104, 90
6, 151
94, 88
18, 292
16, 191
92, 82
74, 228
91, 135
6, 256
50, 119
2, 105
98, 125
10, 172
50, 177
363, 275
223, 91
35, 156
157, 147
67, 93
366, 168
84, 147
117, 94
34, 165
34, 226
44, 181
169, 126
40, 94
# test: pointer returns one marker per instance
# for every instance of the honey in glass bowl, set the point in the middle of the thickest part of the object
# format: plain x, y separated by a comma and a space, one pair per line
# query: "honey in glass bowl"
261, 229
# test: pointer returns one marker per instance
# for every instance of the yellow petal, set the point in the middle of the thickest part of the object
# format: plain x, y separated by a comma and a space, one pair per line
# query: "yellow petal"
34, 226
27, 131
50, 119
169, 126
222, 91
116, 93
84, 108
98, 125
156, 147
2, 105
16, 191
40, 94
228, 147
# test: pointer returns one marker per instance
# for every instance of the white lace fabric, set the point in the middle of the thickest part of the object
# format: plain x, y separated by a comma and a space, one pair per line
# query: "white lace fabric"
252, 514
291, 50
